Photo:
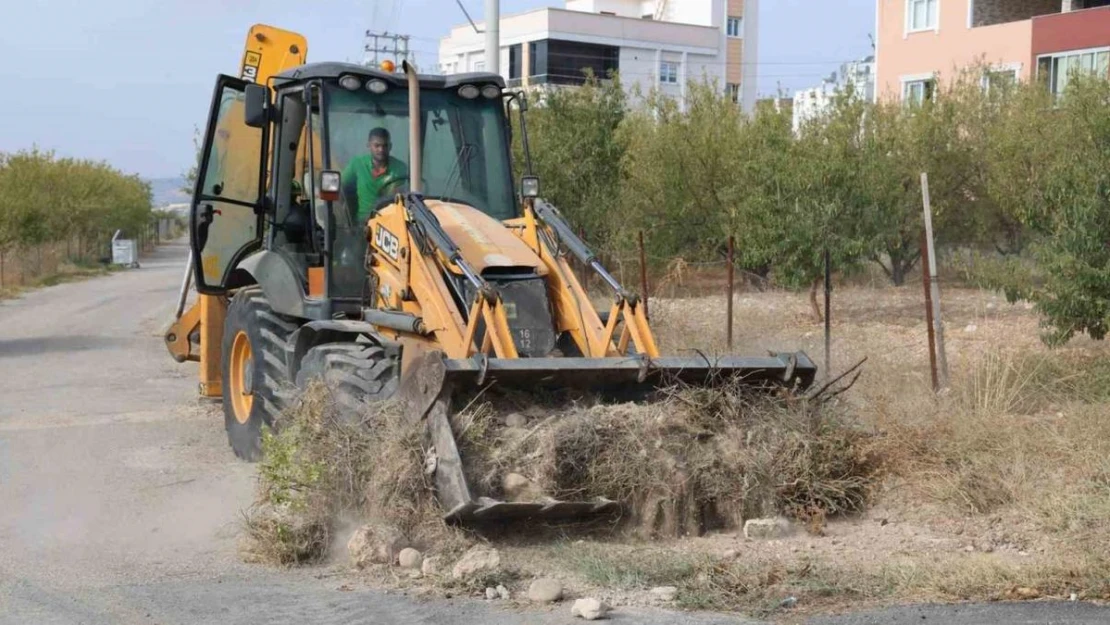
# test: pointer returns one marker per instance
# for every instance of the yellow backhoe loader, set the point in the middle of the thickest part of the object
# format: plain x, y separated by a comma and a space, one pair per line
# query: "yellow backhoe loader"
455, 278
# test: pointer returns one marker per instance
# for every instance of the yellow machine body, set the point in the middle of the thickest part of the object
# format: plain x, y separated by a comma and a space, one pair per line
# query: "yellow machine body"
268, 52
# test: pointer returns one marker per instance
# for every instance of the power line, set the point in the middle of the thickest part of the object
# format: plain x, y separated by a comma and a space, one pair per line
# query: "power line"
391, 45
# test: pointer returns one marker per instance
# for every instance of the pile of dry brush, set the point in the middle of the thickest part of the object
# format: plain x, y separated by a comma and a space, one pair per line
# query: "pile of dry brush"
690, 461
697, 459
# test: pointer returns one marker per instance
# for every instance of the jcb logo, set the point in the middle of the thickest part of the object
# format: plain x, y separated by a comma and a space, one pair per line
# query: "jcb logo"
250, 66
387, 242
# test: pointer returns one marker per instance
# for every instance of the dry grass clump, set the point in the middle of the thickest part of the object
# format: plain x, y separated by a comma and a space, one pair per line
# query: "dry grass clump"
322, 466
698, 459
1028, 431
763, 586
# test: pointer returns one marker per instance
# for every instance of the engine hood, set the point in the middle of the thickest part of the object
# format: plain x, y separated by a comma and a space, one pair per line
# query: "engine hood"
484, 242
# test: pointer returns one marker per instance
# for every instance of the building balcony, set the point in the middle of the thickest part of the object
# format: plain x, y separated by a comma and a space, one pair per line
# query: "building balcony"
1074, 30
983, 13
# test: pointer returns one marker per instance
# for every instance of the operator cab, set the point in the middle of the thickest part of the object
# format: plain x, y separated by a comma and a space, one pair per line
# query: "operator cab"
336, 118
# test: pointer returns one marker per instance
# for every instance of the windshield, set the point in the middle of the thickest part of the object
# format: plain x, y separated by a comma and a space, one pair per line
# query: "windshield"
464, 149
465, 159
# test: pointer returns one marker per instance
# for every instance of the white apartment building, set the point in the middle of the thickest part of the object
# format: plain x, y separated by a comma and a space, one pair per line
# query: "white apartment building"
811, 103
651, 44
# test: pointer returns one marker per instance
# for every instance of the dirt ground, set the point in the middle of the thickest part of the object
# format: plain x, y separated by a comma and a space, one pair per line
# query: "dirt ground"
918, 541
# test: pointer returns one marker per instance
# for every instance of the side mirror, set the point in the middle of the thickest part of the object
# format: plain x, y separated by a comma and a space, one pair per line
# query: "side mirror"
530, 186
257, 105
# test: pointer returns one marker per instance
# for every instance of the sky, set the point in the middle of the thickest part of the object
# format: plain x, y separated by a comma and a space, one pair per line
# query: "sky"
128, 81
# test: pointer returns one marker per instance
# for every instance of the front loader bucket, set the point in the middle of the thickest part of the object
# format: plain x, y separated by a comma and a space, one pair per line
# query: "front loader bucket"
632, 377
430, 381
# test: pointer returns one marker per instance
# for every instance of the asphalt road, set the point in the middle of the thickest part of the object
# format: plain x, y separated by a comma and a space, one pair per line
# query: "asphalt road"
120, 501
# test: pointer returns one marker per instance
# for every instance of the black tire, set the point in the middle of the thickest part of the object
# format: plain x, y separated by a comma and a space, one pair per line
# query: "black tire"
355, 373
266, 332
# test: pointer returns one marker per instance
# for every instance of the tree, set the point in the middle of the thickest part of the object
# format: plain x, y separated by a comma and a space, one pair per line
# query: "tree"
574, 150
45, 199
1073, 251
679, 173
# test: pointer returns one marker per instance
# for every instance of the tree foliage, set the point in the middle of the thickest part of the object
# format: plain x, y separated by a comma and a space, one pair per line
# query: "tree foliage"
1016, 175
578, 156
44, 198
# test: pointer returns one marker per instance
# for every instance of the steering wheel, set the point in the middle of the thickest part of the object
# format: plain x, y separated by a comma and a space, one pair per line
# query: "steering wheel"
390, 191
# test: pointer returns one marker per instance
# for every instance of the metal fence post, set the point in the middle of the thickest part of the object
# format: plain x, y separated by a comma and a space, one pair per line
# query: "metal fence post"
643, 275
731, 276
828, 315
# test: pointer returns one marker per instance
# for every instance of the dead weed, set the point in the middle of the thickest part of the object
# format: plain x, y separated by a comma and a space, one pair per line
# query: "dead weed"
322, 466
695, 460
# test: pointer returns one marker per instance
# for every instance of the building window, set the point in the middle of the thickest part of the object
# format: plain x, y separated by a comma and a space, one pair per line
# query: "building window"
918, 91
921, 15
514, 61
733, 91
668, 72
999, 79
1057, 69
479, 66
567, 62
735, 27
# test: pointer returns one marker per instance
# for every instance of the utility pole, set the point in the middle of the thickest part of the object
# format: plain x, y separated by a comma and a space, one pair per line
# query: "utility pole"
493, 36
391, 46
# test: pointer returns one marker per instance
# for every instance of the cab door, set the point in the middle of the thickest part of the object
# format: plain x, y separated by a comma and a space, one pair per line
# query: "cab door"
227, 216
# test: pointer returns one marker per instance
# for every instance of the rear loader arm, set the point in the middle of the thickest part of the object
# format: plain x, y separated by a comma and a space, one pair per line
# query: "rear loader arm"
627, 305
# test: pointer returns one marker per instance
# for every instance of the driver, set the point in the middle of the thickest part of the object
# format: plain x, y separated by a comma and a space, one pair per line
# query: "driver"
368, 177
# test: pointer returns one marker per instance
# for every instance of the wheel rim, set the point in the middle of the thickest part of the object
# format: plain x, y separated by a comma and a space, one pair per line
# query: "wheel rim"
241, 378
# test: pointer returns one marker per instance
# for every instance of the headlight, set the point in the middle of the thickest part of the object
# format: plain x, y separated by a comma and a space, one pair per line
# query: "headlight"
329, 182
530, 186
350, 83
377, 86
491, 91
468, 92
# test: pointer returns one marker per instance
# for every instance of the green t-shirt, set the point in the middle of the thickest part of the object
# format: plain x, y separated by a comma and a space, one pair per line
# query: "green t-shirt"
370, 186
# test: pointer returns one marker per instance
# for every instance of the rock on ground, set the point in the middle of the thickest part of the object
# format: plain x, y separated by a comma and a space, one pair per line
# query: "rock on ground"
410, 558
477, 560
664, 593
503, 592
371, 544
545, 590
491, 593
431, 566
767, 528
589, 609
516, 420
518, 488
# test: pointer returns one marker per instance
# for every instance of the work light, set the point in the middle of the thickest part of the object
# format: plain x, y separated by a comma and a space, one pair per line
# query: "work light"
350, 83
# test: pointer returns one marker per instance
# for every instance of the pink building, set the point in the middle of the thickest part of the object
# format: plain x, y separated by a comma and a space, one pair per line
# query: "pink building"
923, 41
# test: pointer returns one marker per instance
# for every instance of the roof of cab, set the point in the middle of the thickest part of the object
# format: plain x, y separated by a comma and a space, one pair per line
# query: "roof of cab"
430, 81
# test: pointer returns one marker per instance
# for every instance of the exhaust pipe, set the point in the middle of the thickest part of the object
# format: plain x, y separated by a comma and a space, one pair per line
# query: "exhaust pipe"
415, 181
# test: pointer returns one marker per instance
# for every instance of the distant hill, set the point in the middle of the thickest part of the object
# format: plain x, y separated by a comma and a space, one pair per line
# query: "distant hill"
168, 191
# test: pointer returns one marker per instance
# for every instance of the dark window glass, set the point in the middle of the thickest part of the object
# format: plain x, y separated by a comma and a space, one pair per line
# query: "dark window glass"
566, 62
514, 61
537, 61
